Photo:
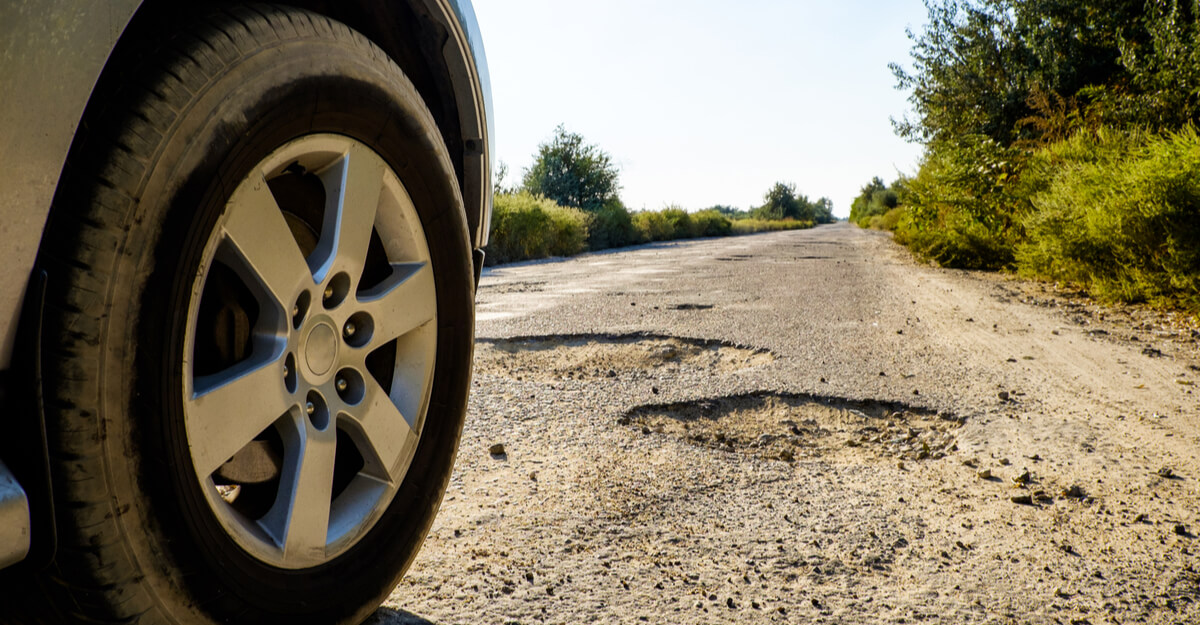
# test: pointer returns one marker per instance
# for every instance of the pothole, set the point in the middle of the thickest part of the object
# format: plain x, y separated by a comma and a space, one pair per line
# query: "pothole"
504, 288
587, 356
797, 427
691, 307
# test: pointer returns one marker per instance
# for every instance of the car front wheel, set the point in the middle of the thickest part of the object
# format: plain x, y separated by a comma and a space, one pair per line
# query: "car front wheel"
256, 351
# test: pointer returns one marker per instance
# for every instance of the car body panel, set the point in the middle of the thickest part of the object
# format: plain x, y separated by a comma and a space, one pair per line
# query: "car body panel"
53, 53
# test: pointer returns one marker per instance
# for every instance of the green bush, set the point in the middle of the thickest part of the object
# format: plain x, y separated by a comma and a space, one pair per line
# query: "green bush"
751, 226
964, 204
611, 226
653, 226
680, 221
1121, 216
711, 223
525, 226
887, 221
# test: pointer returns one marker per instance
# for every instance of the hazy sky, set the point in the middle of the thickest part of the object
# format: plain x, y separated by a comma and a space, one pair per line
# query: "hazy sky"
704, 102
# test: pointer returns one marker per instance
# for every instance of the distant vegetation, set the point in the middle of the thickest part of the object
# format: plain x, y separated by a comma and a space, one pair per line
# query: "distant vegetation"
568, 203
1060, 142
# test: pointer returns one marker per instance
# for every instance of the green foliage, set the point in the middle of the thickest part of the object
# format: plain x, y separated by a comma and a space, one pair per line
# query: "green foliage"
752, 225
730, 211
653, 226
611, 226
572, 173
1060, 142
1163, 66
978, 63
680, 221
525, 226
887, 221
781, 202
673, 222
711, 223
874, 200
1121, 217
962, 206
822, 211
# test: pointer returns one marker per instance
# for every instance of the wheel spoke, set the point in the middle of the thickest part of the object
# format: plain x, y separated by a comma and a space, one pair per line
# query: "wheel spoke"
228, 409
259, 236
405, 301
353, 185
381, 432
301, 510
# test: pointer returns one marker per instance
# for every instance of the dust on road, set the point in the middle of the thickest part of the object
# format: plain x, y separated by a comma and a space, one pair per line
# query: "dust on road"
811, 427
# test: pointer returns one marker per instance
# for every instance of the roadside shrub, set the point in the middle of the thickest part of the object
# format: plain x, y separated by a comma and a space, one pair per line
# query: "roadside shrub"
751, 226
611, 226
653, 226
711, 223
964, 204
525, 226
1121, 217
887, 221
680, 222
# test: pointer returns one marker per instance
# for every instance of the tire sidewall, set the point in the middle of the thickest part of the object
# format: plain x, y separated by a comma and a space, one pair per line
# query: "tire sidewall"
261, 102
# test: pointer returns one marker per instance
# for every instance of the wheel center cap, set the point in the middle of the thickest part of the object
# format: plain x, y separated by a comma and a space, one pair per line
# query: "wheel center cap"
320, 349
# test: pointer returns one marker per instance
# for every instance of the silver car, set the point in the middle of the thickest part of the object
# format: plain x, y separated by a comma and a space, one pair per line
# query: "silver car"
241, 249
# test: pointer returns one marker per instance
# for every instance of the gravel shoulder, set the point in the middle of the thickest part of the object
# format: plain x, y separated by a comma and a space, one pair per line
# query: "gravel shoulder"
812, 427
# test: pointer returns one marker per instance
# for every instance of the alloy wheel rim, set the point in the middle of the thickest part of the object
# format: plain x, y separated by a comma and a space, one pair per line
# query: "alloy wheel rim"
311, 337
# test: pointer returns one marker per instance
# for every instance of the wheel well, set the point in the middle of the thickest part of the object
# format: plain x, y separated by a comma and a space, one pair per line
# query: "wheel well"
402, 28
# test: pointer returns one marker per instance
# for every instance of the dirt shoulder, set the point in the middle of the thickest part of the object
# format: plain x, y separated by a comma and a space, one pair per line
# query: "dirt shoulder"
811, 427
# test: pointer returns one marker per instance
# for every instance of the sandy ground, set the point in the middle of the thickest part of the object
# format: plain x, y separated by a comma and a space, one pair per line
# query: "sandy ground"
811, 427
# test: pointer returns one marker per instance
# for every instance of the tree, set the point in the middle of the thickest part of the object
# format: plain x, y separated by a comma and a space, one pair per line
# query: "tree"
823, 211
861, 207
979, 62
781, 202
572, 172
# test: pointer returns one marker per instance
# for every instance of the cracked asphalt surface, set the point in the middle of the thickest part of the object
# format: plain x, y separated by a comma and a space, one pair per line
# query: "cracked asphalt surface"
810, 426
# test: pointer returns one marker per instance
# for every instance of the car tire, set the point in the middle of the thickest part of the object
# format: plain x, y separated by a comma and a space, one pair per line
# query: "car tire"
258, 331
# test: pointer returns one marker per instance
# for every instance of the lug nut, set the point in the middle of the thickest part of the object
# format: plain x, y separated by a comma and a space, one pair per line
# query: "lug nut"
286, 371
329, 292
310, 408
342, 385
349, 330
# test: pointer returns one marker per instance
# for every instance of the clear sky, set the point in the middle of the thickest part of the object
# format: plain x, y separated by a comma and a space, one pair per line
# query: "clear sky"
704, 102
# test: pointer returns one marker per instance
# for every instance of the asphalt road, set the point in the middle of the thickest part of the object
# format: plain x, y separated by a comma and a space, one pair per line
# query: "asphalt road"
811, 427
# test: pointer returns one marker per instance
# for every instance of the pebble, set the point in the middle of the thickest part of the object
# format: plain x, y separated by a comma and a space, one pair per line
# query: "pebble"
1003, 395
1022, 478
1024, 500
984, 474
1181, 529
1166, 472
497, 449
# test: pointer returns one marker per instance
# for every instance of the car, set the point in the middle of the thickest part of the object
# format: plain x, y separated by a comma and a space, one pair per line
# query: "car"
237, 323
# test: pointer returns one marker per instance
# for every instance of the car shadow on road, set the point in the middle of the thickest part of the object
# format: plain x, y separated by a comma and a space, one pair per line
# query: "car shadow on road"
388, 616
